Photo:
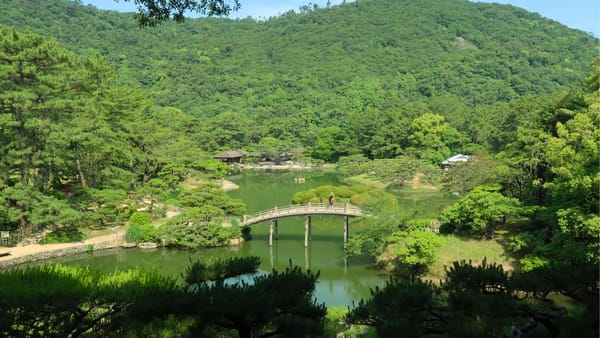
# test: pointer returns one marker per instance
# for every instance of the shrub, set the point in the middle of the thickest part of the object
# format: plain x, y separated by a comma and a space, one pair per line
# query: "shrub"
63, 235
148, 233
140, 218
133, 234
324, 190
357, 199
343, 192
204, 235
304, 196
358, 189
315, 200
447, 228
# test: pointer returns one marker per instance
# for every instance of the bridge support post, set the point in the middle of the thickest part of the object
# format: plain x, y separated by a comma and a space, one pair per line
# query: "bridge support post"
345, 229
306, 230
271, 233
276, 231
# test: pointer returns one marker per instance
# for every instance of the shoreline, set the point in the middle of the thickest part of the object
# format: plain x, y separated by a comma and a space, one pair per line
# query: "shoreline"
285, 166
34, 252
19, 255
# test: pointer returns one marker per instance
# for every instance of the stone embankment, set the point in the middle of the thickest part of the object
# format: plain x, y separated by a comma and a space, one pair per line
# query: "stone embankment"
35, 252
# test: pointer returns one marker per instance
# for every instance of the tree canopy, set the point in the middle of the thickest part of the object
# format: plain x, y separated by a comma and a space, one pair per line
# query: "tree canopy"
153, 12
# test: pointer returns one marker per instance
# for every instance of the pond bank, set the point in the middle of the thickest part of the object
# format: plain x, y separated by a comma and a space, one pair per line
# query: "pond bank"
289, 165
34, 252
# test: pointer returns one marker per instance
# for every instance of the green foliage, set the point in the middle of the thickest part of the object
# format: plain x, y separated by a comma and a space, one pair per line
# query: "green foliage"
213, 168
350, 165
66, 234
56, 300
481, 169
200, 223
258, 311
572, 156
416, 249
478, 300
331, 143
196, 236
133, 233
402, 305
219, 270
400, 244
24, 208
356, 195
430, 137
148, 233
211, 195
142, 232
291, 311
140, 218
152, 13
480, 211
395, 171
337, 89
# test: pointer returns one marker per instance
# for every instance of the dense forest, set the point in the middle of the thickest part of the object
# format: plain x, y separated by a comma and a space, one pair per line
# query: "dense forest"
326, 75
99, 116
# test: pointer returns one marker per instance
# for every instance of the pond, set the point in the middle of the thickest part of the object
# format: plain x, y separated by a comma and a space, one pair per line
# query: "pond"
341, 281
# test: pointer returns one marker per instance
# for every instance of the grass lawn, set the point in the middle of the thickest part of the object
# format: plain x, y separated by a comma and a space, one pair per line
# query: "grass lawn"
423, 204
459, 248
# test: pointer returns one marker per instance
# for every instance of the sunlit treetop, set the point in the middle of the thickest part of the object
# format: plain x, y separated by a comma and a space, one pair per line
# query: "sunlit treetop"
153, 12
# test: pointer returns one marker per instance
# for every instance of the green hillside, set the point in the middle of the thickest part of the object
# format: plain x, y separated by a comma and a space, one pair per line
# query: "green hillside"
290, 76
104, 125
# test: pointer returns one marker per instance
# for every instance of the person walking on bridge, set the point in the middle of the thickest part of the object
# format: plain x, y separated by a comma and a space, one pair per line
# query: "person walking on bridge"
331, 199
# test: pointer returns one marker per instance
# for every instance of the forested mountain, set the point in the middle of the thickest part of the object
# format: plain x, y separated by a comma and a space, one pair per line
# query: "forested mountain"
98, 116
338, 73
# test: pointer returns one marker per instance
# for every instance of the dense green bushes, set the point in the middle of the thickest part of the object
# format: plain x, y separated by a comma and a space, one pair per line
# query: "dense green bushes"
356, 195
70, 301
198, 235
141, 228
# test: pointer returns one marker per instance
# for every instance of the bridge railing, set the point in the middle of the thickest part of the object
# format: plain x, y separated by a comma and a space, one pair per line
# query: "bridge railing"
309, 208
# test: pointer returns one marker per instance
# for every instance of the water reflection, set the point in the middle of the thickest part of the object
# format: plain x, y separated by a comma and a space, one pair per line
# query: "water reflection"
341, 281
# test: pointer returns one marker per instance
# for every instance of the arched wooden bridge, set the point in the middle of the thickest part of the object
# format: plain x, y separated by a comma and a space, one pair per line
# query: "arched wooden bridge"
307, 210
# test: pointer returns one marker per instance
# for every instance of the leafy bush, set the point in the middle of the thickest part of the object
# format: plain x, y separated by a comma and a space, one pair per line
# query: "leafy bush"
481, 210
140, 218
148, 233
357, 199
63, 235
343, 192
211, 194
356, 195
142, 233
416, 249
133, 233
359, 189
196, 236
303, 196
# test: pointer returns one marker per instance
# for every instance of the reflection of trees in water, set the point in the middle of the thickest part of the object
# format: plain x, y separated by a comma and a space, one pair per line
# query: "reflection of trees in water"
358, 285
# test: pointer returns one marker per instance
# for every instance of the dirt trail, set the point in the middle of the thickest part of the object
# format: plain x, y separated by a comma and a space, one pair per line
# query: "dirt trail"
416, 183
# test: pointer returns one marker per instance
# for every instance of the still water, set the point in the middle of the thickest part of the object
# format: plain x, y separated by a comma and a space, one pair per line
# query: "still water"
341, 282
